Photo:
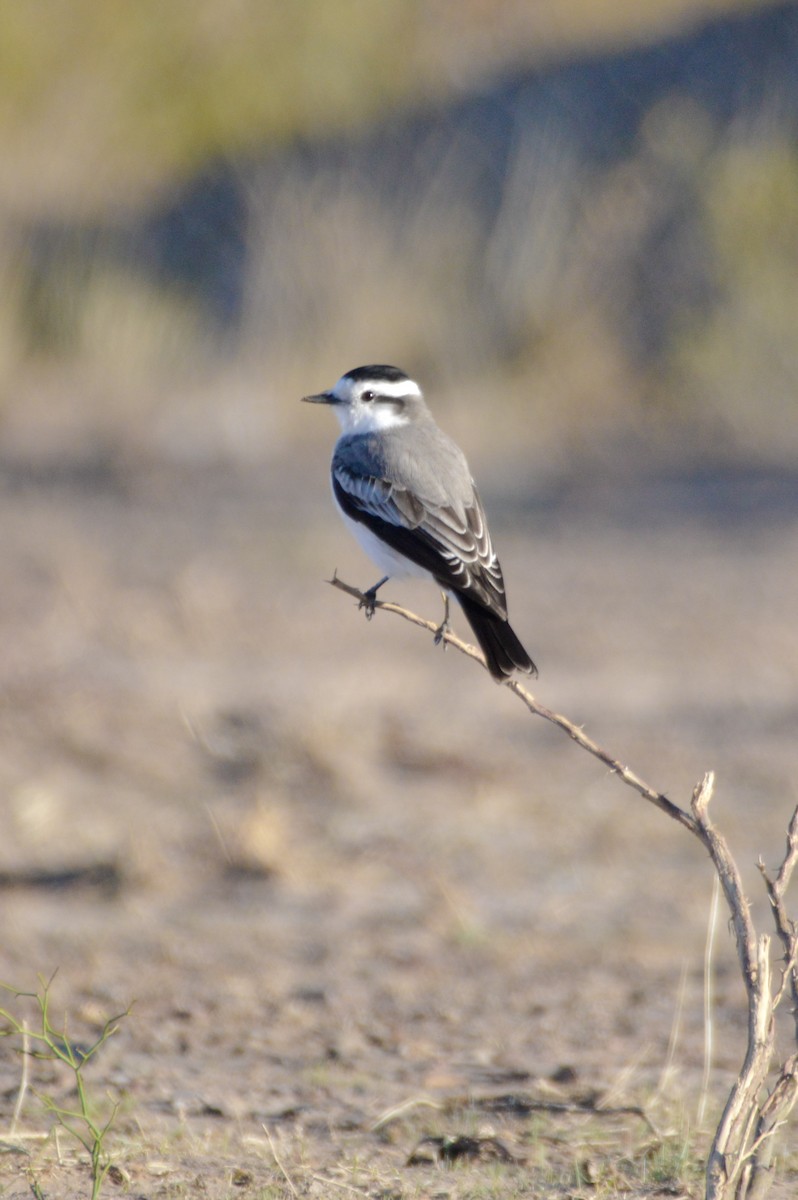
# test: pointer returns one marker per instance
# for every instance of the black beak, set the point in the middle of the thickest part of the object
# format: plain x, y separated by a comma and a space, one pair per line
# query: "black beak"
321, 398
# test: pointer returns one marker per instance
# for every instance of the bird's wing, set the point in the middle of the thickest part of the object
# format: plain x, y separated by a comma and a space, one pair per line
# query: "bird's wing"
455, 547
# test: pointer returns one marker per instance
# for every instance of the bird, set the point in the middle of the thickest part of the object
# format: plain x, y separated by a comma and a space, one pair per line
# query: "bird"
404, 489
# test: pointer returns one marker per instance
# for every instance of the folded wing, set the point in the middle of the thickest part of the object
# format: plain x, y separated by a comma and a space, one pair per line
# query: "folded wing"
455, 547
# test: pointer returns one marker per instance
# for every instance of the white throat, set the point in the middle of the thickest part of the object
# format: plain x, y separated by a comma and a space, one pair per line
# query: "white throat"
364, 417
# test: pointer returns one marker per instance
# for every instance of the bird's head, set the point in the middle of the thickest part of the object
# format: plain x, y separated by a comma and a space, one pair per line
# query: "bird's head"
374, 398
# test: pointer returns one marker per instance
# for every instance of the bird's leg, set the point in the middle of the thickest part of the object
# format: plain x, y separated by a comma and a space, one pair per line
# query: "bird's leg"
369, 601
444, 625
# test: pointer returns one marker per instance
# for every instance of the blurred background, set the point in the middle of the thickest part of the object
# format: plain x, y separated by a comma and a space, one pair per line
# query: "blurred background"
580, 224
576, 224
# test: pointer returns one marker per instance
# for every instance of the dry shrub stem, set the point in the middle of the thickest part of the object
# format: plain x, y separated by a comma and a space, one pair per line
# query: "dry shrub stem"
740, 1161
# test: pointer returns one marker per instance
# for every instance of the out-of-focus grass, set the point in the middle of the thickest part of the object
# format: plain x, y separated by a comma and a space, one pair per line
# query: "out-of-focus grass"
643, 303
559, 321
739, 365
101, 105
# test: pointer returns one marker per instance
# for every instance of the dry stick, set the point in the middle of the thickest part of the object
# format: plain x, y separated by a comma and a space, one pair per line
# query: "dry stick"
779, 1104
578, 735
773, 1114
742, 1149
740, 1154
730, 1152
785, 928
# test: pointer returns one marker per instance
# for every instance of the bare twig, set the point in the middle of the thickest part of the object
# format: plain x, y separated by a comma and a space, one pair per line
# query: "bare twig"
574, 731
785, 928
775, 1110
729, 1163
790, 856
740, 1158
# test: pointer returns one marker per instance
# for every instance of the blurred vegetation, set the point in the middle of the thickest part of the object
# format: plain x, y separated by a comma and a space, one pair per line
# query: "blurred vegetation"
739, 365
643, 300
102, 104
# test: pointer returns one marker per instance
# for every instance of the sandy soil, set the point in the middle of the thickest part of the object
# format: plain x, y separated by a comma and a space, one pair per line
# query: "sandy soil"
337, 870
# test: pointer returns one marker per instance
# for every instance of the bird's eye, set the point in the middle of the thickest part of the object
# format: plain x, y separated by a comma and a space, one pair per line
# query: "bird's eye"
368, 396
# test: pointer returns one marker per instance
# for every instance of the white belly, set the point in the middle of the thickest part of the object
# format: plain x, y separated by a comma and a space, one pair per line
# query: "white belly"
389, 562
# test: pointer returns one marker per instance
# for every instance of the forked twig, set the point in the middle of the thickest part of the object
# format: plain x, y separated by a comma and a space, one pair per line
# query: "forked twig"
740, 1158
735, 1158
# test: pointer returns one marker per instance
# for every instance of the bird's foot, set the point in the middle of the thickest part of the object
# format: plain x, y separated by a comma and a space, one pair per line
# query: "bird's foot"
369, 601
441, 631
443, 628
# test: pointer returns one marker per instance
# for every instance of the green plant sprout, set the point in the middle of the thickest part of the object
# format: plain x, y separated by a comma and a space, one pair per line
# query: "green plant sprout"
46, 1042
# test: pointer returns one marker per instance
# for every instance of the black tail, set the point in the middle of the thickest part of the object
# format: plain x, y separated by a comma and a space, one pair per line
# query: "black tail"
502, 649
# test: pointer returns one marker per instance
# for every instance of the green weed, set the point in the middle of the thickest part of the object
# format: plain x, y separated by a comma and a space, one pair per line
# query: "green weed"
83, 1122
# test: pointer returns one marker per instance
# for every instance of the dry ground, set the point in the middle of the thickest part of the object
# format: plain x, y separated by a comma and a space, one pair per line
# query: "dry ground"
342, 870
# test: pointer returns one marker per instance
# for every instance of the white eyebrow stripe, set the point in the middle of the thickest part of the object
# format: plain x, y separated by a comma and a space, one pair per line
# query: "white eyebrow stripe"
394, 388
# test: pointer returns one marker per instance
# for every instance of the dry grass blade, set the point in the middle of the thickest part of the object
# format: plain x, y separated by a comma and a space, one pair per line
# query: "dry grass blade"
402, 1110
278, 1162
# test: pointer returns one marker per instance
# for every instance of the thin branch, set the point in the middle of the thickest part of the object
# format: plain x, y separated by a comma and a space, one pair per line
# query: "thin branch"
574, 731
785, 928
580, 737
742, 1148
729, 876
773, 1115
790, 856
731, 1144
784, 1093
